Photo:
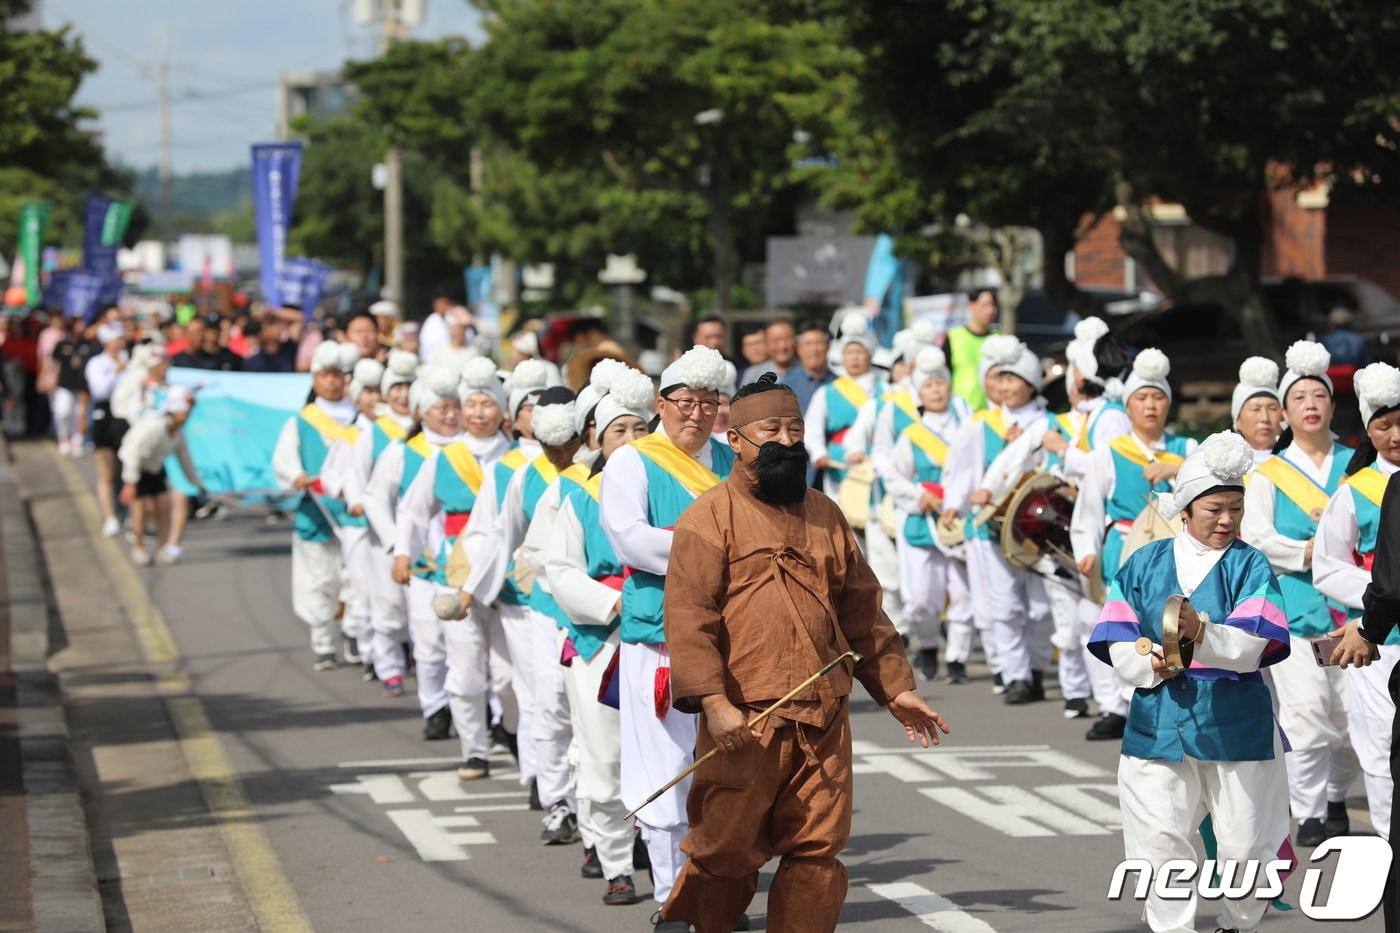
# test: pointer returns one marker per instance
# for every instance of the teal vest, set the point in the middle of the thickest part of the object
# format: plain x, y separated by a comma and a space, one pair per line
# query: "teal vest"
643, 593
1310, 614
540, 600
917, 528
503, 470
1204, 713
309, 522
454, 497
1130, 496
840, 415
1368, 526
603, 565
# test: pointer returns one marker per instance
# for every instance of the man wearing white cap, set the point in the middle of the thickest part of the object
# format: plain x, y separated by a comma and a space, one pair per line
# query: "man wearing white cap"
646, 485
154, 437
1201, 738
1007, 439
1256, 410
297, 461
1343, 553
388, 611
1285, 499
1119, 484
586, 578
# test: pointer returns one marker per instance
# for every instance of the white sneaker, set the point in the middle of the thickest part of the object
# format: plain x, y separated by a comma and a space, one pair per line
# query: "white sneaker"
169, 555
111, 527
64, 449
140, 557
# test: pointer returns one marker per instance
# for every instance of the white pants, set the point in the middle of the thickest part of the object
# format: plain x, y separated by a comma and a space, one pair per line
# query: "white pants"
884, 561
520, 641
923, 591
1110, 693
977, 557
960, 624
654, 750
388, 615
429, 648
1312, 711
477, 662
598, 762
64, 405
1020, 615
1163, 803
316, 589
1370, 717
1066, 612
552, 728
354, 548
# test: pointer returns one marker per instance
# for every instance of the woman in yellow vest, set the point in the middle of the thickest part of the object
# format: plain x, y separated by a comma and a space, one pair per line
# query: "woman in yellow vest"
1285, 499
1342, 554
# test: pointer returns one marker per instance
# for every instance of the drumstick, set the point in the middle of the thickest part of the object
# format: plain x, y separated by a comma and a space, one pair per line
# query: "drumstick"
1144, 648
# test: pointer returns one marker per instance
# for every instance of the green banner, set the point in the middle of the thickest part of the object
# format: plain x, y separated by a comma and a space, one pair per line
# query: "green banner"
33, 221
115, 223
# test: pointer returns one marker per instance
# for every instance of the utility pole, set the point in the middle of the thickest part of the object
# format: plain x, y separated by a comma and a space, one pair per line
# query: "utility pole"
392, 26
166, 170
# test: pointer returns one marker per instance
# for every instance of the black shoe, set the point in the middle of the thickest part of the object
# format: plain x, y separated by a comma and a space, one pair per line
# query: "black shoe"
1311, 833
668, 926
369, 676
560, 825
1037, 686
1109, 726
350, 648
503, 737
928, 663
957, 672
408, 666
641, 858
474, 769
1077, 708
535, 796
325, 662
1337, 822
591, 868
742, 923
1018, 693
438, 726
1226, 930
621, 892
998, 685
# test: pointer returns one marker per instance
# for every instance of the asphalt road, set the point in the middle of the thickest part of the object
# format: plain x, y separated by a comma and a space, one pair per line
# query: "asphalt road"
1011, 826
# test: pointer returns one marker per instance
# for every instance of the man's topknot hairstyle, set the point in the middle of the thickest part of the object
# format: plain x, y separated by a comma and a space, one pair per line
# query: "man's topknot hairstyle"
765, 383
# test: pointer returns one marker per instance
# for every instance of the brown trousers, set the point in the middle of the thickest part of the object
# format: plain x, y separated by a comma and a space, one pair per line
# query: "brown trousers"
788, 794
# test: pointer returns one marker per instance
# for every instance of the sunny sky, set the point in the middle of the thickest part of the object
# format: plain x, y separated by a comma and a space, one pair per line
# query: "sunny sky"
225, 56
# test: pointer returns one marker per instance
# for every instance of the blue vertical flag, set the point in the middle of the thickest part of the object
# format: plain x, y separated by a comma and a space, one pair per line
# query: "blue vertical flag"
302, 282
276, 169
884, 283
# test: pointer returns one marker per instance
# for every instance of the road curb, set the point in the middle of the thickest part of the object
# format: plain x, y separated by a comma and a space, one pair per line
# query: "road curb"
64, 894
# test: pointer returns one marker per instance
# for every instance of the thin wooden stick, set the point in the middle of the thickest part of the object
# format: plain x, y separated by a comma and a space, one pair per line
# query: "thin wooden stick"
755, 721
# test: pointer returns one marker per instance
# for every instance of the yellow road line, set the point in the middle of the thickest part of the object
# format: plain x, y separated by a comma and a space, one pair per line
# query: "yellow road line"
260, 875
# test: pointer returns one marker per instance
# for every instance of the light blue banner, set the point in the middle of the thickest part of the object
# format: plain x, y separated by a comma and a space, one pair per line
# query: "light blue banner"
234, 426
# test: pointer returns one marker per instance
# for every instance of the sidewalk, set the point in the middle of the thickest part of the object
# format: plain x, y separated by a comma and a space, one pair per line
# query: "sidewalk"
156, 860
47, 880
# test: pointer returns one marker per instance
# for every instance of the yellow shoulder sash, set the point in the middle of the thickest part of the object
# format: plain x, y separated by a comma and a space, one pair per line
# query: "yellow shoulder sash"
851, 391
1370, 482
992, 418
924, 439
1290, 481
1075, 425
327, 426
901, 399
420, 445
682, 467
464, 464
514, 459
1125, 446
391, 428
546, 469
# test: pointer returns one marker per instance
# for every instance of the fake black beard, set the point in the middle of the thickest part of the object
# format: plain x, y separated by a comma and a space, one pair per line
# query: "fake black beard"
782, 473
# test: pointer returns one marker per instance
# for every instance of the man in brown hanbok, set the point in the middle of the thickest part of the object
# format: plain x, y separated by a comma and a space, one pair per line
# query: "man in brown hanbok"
766, 585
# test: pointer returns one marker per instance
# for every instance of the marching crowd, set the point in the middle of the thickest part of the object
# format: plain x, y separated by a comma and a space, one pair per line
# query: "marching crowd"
504, 540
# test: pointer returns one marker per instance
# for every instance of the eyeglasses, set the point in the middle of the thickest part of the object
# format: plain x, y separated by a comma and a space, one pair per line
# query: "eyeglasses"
687, 406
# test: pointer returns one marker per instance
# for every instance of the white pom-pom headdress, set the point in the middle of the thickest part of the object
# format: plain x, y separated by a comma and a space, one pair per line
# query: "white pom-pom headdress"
1090, 330
854, 330
924, 331
1150, 370
1377, 389
401, 369
326, 357
599, 381
1004, 353
349, 356
698, 368
631, 394
529, 376
479, 378
366, 376
1306, 359
1223, 459
436, 383
1001, 349
731, 380
930, 363
1258, 377
554, 424
1080, 352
